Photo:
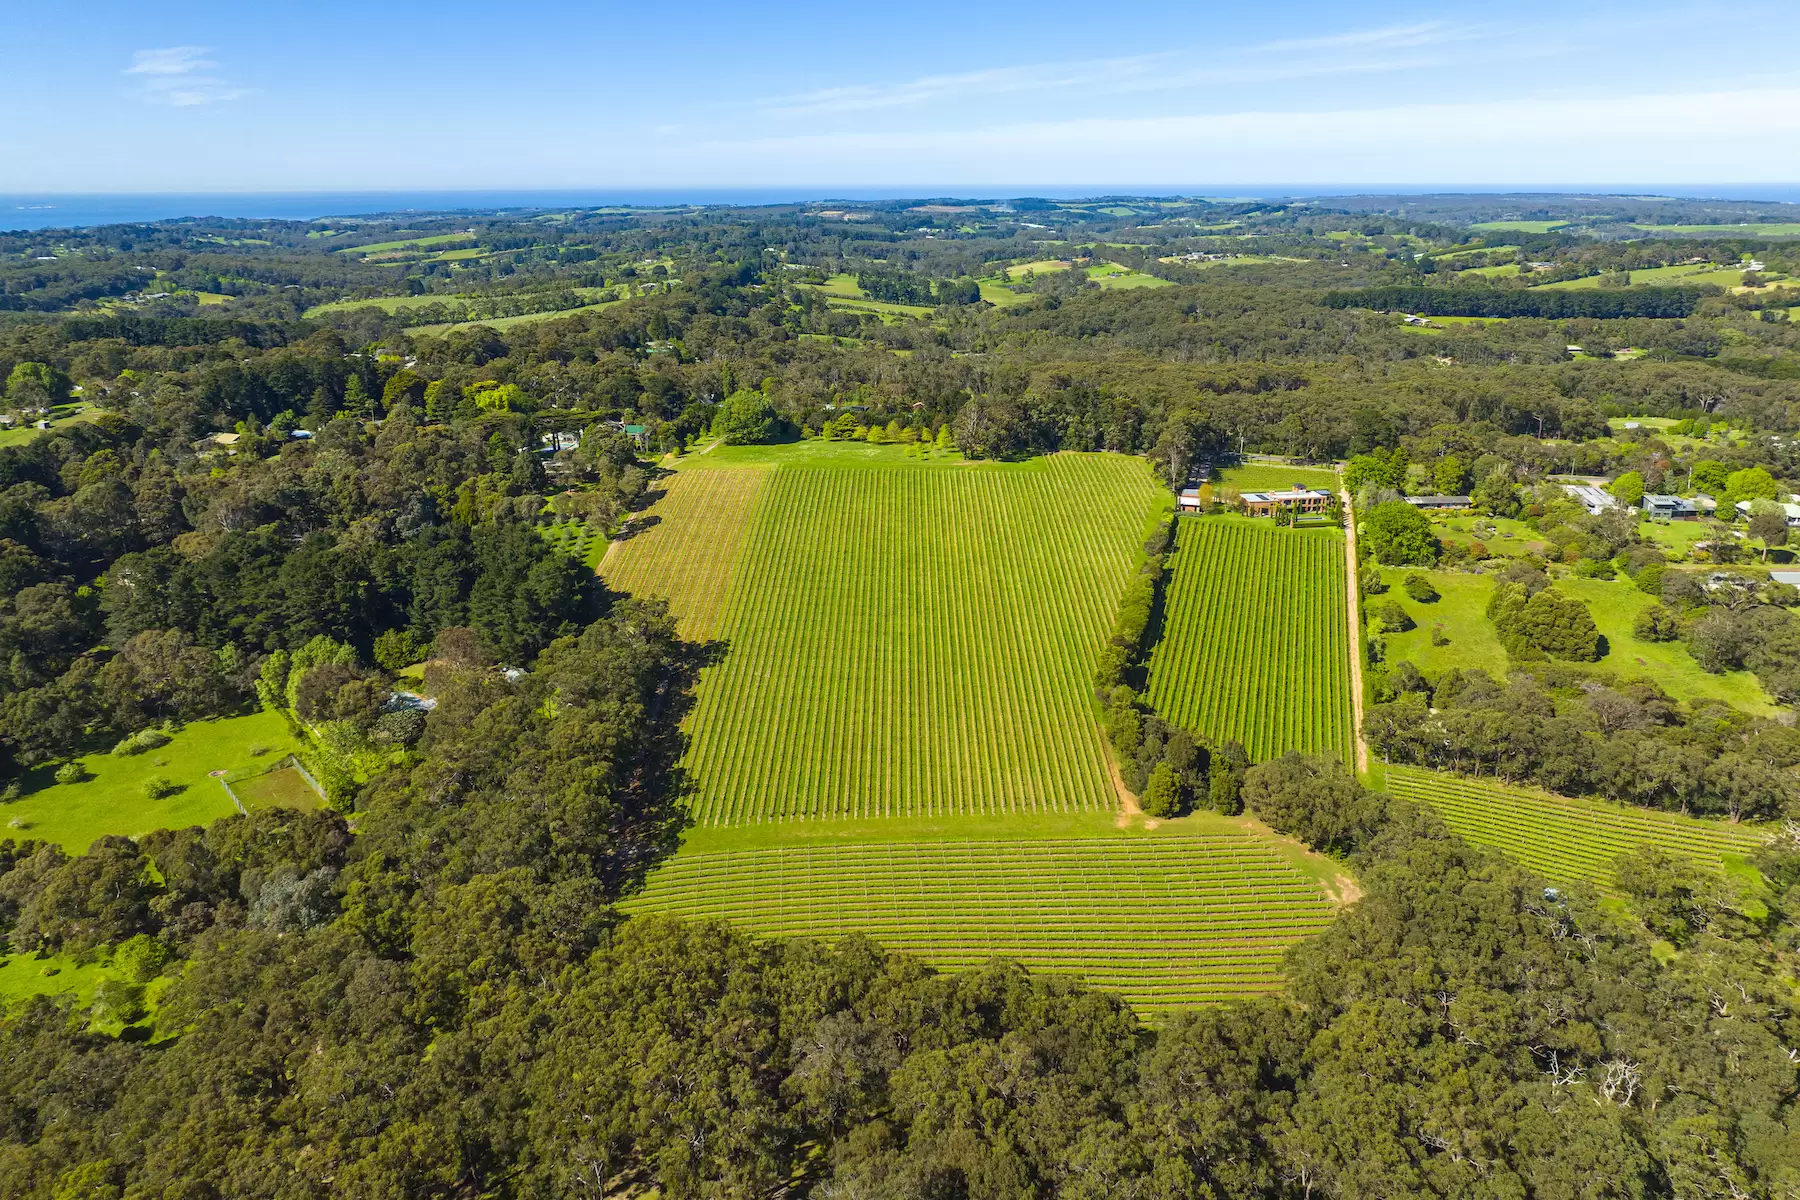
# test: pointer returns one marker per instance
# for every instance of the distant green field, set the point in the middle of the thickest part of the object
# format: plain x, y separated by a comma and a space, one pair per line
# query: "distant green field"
400, 304
843, 293
1519, 226
1566, 838
1254, 645
441, 239
1200, 911
1111, 275
113, 801
1041, 267
61, 417
387, 304
522, 319
1787, 229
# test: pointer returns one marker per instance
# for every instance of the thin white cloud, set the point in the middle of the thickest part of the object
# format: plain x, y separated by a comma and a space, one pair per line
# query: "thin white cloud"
1743, 134
181, 76
1391, 48
171, 60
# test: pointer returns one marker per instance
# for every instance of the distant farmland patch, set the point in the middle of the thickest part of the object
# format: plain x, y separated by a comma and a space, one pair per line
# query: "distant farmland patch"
1519, 226
1254, 647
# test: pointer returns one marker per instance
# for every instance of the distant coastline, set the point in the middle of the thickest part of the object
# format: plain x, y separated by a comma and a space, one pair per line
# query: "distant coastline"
22, 211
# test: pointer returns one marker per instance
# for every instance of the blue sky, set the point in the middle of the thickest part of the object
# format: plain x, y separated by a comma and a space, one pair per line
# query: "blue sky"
131, 97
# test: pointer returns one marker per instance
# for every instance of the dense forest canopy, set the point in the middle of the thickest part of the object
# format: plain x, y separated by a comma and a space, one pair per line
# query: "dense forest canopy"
281, 462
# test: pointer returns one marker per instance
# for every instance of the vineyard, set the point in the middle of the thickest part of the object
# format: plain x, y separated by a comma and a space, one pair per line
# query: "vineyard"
1254, 645
1562, 837
1167, 921
684, 552
905, 639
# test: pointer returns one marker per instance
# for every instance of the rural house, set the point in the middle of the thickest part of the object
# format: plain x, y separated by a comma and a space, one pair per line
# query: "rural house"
1670, 508
1444, 502
1300, 499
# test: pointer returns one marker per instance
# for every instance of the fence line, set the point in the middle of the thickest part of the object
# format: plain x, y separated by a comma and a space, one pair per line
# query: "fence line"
307, 775
234, 796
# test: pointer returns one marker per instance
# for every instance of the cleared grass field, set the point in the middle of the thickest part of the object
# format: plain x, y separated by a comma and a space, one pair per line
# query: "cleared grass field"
1255, 643
1255, 477
1169, 921
576, 538
906, 635
1562, 837
112, 800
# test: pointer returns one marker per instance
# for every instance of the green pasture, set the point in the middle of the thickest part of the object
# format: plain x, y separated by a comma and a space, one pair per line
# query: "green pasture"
1260, 477
1509, 539
1774, 229
1448, 255
843, 293
1567, 839
1042, 266
418, 243
1169, 913
576, 538
1615, 605
1461, 613
1518, 226
999, 295
387, 304
23, 976
1679, 537
522, 319
112, 800
1504, 271
1254, 645
1111, 275
61, 417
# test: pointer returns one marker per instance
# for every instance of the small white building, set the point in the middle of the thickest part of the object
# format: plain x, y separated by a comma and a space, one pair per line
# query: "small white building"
1596, 500
1791, 510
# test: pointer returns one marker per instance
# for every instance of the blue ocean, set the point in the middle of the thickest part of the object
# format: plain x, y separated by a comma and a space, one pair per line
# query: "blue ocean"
20, 212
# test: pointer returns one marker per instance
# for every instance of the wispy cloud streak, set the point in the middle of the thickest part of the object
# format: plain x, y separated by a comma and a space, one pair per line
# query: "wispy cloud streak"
1393, 48
181, 76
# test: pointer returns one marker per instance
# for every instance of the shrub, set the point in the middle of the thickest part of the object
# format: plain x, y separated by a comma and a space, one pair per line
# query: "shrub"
160, 787
142, 740
71, 772
398, 648
1419, 588
1658, 623
1650, 579
1437, 636
1162, 796
1393, 618
1369, 578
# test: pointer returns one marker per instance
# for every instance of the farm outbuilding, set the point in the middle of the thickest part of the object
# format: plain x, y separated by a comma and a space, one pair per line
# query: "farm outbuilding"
1439, 502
